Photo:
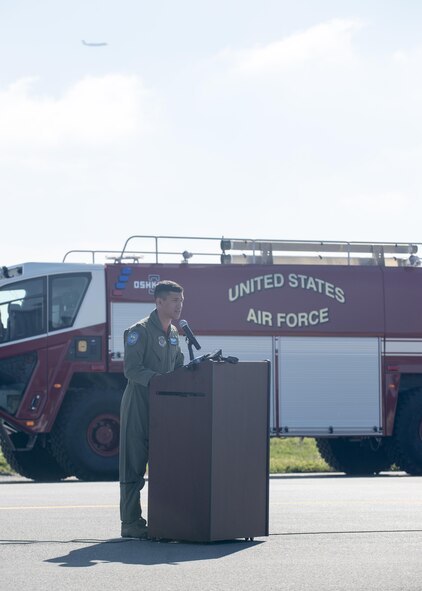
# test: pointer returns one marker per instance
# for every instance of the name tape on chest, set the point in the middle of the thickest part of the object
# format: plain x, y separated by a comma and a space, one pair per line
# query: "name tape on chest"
162, 341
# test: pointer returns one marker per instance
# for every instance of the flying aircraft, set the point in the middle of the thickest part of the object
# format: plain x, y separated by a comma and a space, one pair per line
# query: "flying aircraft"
94, 44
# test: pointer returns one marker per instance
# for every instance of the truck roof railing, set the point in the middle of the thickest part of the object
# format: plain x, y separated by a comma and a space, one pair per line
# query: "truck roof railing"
160, 249
329, 252
157, 248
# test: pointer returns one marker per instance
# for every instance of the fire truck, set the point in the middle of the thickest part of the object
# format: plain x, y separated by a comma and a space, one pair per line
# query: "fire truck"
340, 323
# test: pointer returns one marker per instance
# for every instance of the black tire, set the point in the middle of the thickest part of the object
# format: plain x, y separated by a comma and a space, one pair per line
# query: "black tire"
85, 438
37, 464
406, 448
364, 457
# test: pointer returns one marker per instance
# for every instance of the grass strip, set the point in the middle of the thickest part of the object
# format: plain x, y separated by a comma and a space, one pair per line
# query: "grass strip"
290, 454
295, 454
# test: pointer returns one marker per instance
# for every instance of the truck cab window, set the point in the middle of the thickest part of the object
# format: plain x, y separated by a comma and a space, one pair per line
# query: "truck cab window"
22, 310
66, 295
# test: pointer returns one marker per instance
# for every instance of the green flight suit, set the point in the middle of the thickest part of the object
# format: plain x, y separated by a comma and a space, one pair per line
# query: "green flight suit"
148, 351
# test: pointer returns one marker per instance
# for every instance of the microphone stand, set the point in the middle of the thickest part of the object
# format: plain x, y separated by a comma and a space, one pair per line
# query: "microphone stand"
190, 349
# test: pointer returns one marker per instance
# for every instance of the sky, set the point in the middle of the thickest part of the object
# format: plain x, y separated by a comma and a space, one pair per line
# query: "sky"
237, 118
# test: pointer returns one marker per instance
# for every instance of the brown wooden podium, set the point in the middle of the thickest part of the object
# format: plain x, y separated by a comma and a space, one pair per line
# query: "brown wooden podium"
208, 475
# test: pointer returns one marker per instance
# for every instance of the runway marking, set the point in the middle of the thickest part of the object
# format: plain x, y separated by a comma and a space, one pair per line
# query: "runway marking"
32, 507
355, 531
349, 502
314, 502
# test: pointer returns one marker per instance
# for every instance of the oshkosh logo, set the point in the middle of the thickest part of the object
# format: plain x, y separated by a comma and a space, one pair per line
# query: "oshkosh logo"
149, 284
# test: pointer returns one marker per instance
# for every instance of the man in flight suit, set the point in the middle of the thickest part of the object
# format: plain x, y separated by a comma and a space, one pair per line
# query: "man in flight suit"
151, 348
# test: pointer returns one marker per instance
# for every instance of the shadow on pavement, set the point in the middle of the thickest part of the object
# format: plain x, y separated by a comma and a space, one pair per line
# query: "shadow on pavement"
148, 553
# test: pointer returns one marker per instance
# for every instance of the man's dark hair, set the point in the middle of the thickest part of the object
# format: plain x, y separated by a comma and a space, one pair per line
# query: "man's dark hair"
163, 288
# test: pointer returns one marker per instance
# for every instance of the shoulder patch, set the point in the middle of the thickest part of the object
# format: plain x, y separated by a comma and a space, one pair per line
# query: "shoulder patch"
132, 337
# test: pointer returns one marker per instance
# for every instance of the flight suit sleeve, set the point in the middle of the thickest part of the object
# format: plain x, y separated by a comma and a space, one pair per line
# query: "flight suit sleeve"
136, 343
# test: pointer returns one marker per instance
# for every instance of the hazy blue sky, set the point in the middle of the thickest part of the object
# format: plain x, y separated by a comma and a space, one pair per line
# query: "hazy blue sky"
270, 119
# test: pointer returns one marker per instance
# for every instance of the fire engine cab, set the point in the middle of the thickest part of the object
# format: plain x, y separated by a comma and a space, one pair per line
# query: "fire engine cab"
340, 323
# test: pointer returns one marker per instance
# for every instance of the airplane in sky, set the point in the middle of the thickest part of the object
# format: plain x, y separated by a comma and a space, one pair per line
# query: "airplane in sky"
94, 44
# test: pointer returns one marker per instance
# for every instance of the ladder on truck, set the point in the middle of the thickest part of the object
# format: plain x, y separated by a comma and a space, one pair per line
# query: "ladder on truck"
159, 249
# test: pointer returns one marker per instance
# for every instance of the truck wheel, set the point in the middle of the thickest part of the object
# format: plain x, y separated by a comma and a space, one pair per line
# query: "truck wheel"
85, 437
36, 464
363, 457
407, 436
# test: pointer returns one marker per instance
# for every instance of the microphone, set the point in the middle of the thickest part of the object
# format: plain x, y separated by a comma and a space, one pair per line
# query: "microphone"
189, 334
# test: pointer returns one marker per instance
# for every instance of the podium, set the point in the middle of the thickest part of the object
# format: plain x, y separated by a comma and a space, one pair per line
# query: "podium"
208, 471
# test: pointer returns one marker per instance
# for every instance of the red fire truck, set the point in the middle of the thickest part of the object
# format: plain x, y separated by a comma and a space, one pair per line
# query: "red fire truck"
339, 321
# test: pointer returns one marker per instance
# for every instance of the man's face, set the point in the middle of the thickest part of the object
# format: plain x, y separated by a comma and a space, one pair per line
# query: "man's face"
170, 306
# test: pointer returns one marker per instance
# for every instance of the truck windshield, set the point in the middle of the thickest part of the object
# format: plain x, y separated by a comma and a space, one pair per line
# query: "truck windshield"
23, 307
66, 295
22, 310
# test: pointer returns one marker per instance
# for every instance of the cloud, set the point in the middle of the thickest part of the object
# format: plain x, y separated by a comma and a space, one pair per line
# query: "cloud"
310, 75
407, 58
317, 119
84, 150
328, 43
95, 111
